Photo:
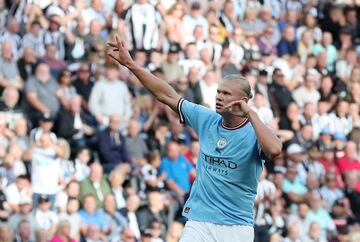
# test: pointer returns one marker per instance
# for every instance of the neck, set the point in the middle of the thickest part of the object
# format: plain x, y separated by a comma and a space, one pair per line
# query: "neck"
233, 121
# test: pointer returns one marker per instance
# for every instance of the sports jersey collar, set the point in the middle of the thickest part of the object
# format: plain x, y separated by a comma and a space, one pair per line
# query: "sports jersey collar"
242, 124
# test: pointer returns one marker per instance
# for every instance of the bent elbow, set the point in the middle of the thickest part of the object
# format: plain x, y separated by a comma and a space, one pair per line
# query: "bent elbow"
274, 152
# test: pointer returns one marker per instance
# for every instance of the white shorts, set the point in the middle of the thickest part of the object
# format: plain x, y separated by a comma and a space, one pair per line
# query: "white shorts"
195, 231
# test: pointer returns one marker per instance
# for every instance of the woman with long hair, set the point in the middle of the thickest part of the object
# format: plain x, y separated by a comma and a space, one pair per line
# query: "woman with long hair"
62, 233
174, 24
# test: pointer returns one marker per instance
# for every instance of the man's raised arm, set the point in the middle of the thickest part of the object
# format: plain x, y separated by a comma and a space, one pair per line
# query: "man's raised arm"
159, 88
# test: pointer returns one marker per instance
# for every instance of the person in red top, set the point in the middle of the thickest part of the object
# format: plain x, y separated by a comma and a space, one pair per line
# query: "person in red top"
350, 162
192, 156
327, 160
63, 233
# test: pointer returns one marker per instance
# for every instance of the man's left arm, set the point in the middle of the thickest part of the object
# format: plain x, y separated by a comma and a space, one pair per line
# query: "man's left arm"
269, 142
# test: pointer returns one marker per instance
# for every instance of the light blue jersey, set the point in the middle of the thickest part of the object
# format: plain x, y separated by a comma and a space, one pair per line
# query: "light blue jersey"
228, 168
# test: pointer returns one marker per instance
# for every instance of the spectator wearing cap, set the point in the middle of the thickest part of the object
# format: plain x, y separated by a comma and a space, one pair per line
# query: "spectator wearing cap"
287, 44
171, 68
46, 123
41, 93
45, 219
194, 18
141, 16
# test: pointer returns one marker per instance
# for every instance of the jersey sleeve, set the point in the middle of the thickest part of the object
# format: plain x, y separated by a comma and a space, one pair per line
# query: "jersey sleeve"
193, 114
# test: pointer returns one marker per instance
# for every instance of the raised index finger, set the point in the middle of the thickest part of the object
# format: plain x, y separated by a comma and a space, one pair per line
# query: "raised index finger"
118, 42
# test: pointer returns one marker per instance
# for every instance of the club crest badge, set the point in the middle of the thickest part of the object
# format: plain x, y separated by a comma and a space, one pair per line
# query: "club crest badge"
222, 142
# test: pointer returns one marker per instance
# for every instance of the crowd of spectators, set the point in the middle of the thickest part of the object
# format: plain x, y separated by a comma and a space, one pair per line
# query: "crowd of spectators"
87, 154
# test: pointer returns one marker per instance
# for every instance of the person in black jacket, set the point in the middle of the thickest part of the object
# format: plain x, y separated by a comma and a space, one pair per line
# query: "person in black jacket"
27, 63
112, 146
73, 127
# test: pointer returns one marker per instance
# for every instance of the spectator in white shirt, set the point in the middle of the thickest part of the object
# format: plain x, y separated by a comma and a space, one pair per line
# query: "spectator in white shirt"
265, 113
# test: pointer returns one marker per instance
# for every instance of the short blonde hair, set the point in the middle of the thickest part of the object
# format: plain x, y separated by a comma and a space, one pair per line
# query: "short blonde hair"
242, 81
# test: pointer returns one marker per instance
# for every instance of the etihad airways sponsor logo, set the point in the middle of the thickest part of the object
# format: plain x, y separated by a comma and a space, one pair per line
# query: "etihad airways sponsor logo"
219, 162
